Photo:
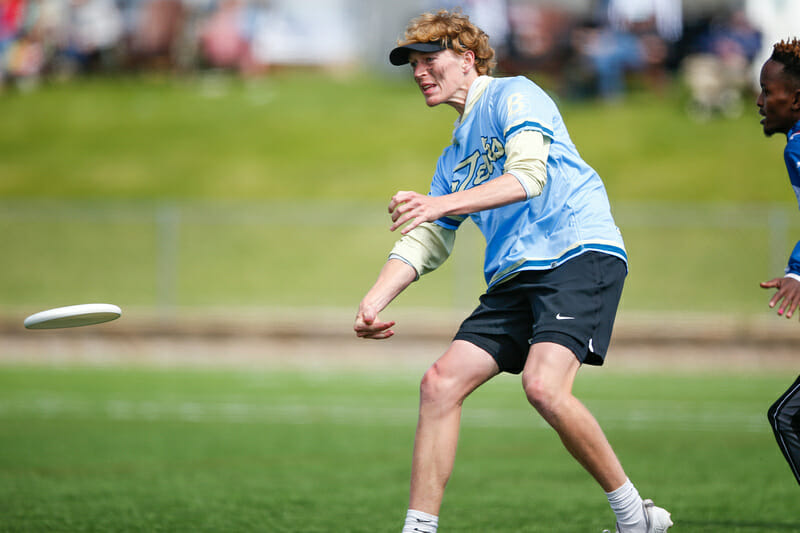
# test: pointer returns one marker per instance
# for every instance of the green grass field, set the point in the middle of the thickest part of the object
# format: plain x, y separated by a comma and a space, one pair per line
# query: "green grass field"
213, 193
359, 138
116, 449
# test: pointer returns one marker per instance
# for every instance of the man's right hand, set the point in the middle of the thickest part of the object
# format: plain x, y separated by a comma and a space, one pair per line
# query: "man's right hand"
369, 326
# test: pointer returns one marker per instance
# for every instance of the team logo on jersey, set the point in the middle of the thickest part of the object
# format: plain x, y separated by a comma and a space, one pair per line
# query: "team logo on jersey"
517, 105
479, 164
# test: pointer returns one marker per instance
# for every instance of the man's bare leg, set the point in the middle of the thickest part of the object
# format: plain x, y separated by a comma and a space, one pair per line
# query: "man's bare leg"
547, 379
462, 369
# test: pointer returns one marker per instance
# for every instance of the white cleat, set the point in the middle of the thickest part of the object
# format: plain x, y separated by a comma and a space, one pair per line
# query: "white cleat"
658, 519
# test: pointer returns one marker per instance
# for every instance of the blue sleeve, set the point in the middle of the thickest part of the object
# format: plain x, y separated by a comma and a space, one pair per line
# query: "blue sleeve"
794, 261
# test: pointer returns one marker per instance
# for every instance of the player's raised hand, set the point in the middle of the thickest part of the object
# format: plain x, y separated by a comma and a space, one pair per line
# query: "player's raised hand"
788, 295
414, 208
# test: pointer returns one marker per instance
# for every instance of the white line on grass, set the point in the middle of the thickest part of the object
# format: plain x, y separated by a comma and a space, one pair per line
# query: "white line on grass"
657, 415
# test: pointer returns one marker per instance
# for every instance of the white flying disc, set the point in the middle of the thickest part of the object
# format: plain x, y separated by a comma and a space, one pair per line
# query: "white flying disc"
73, 316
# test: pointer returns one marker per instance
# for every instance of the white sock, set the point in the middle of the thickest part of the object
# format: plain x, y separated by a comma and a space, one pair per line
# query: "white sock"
417, 521
627, 505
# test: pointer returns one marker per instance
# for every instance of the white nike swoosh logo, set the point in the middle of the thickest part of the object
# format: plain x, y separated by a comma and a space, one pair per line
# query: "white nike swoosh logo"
559, 316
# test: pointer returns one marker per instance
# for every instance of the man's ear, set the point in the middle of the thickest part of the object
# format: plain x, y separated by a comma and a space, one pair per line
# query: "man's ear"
796, 99
469, 60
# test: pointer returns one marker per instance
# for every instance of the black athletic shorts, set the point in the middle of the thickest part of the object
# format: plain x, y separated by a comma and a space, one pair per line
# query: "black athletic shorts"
573, 305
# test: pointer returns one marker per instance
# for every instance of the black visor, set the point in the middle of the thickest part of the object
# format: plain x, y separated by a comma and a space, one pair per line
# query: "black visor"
399, 56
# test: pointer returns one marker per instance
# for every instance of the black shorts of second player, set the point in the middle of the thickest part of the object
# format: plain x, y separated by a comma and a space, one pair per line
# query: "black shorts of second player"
573, 305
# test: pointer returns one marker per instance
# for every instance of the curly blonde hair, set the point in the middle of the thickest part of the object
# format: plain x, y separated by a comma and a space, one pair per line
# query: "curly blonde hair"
455, 31
787, 53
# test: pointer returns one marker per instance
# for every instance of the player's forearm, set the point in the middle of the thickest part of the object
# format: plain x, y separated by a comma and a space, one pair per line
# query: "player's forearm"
393, 279
503, 190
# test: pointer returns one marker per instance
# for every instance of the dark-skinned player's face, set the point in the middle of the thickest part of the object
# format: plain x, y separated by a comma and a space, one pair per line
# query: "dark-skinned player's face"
779, 100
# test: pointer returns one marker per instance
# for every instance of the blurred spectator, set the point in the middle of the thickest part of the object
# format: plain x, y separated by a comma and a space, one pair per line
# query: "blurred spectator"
628, 36
538, 41
24, 61
155, 34
94, 33
12, 13
610, 56
717, 70
223, 39
663, 18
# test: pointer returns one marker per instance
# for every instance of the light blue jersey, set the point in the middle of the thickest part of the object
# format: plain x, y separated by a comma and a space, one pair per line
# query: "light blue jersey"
569, 217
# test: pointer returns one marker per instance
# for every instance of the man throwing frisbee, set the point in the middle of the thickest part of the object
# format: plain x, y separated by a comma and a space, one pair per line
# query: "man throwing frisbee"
555, 263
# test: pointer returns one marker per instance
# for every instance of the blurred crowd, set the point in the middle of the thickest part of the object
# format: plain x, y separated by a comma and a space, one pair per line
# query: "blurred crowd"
596, 51
618, 43
63, 38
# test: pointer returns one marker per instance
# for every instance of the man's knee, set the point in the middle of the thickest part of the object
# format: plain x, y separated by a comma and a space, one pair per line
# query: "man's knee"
542, 394
455, 375
436, 386
547, 378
